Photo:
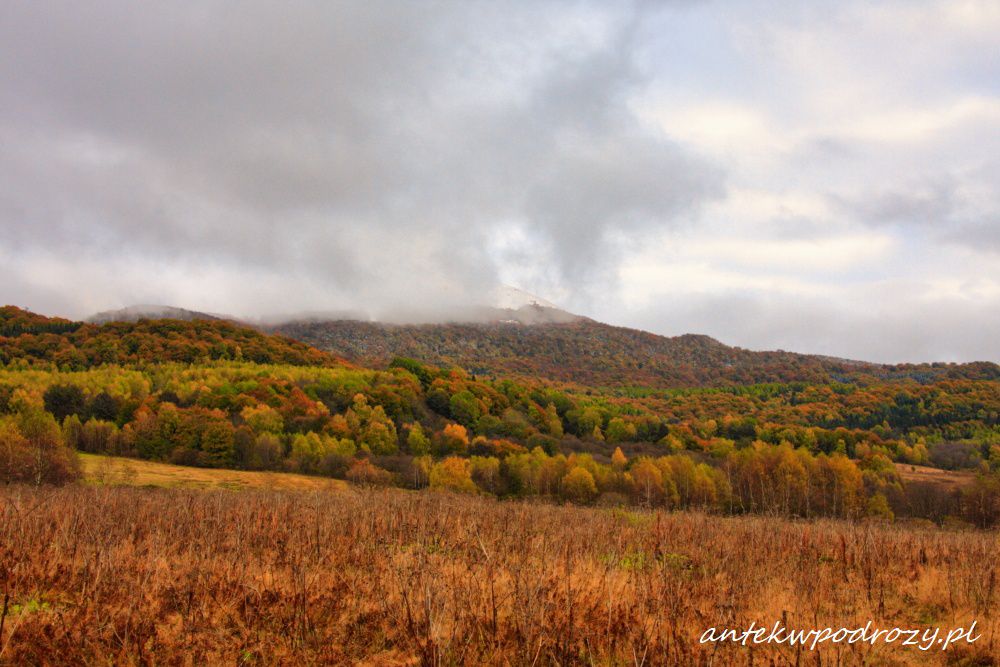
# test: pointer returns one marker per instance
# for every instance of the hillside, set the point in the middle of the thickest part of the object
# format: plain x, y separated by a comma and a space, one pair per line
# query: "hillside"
186, 393
32, 338
595, 354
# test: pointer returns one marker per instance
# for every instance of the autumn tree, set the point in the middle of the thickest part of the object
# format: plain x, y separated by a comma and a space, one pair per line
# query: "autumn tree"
452, 474
578, 486
453, 439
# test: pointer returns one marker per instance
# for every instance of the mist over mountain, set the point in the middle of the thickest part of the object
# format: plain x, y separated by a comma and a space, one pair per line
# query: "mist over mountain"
521, 334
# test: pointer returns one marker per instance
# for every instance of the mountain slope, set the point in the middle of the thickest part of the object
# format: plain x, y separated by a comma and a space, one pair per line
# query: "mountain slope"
596, 354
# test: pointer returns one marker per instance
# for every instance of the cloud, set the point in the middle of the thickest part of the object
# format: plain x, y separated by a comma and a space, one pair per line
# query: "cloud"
737, 169
896, 324
374, 148
921, 204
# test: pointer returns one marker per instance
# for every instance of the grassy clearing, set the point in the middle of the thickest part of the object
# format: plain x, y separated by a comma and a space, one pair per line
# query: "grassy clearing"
119, 471
948, 478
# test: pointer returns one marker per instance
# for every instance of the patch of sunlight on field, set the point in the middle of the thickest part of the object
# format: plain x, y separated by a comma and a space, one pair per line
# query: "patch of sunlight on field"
120, 471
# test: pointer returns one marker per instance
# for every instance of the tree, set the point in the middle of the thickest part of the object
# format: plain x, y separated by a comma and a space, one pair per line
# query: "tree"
217, 444
465, 408
364, 472
453, 474
49, 461
263, 419
15, 456
618, 460
63, 400
878, 507
379, 433
454, 439
485, 472
647, 480
588, 421
620, 431
578, 485
552, 422
417, 442
103, 406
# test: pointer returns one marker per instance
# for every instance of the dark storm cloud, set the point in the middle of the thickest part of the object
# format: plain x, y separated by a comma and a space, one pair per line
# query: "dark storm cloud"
373, 148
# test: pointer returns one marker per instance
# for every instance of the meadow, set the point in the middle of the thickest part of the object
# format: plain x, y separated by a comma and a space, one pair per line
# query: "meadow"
121, 471
113, 574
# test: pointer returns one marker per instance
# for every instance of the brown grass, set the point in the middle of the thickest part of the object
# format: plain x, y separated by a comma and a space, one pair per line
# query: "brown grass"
951, 479
115, 575
119, 471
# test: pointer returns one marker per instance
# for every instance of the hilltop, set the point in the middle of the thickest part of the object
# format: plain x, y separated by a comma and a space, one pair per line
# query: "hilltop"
31, 338
152, 312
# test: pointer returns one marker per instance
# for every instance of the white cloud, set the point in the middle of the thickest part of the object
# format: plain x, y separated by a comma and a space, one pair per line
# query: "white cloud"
819, 176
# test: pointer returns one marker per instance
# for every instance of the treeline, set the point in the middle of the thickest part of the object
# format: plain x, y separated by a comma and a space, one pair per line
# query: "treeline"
762, 479
15, 321
952, 424
195, 393
417, 426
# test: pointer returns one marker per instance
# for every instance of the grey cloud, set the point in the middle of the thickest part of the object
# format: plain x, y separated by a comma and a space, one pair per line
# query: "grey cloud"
942, 209
925, 203
373, 147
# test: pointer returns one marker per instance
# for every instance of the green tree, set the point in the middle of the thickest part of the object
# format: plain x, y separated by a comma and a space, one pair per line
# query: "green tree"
218, 444
465, 408
417, 442
63, 400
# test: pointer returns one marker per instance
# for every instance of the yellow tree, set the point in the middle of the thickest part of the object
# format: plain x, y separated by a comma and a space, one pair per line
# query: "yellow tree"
578, 485
453, 474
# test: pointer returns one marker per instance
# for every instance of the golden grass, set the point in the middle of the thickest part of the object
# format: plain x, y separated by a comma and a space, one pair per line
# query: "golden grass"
119, 471
118, 575
948, 478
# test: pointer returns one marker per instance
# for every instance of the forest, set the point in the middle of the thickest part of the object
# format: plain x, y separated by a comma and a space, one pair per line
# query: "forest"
592, 353
217, 394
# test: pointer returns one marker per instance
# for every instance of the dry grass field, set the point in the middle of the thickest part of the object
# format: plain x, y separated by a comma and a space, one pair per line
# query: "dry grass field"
950, 479
119, 575
120, 471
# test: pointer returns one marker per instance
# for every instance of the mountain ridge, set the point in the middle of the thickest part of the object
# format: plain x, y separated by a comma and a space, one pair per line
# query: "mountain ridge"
539, 340
592, 353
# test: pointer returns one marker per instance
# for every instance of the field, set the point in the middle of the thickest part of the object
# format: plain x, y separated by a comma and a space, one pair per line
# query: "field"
117, 575
121, 471
949, 479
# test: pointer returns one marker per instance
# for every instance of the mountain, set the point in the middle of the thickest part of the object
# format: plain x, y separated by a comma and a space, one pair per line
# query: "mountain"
582, 351
152, 312
517, 333
521, 334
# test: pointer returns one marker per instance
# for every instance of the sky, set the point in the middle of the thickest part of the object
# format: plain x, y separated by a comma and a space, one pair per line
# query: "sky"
821, 177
